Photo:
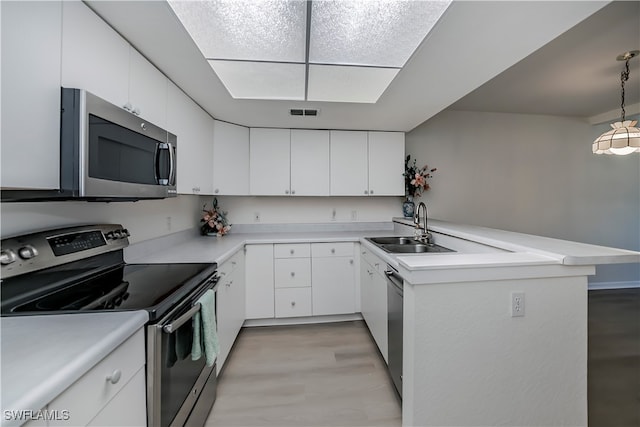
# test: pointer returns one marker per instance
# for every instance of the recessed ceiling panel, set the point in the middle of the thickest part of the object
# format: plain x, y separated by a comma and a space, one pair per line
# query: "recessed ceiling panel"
261, 80
381, 33
266, 30
332, 83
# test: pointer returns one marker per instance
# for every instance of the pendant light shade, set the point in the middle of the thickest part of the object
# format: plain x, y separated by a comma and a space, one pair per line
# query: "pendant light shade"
623, 138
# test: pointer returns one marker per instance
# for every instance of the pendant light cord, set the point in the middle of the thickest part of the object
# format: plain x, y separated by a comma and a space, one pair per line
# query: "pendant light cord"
624, 76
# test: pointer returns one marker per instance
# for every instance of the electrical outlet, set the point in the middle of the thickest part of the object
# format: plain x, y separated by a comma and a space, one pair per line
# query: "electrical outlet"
517, 304
168, 221
333, 215
354, 215
256, 217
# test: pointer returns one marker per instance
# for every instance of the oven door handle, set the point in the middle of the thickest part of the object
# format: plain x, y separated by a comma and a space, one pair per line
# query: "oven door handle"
173, 326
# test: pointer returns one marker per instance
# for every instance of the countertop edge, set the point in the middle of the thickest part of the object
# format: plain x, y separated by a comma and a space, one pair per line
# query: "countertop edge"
58, 382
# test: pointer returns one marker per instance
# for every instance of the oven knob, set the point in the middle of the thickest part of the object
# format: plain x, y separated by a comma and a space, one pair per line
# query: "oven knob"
126, 232
27, 252
117, 234
109, 235
7, 256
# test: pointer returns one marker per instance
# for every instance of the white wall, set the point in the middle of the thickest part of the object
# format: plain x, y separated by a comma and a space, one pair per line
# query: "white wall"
532, 174
144, 219
297, 210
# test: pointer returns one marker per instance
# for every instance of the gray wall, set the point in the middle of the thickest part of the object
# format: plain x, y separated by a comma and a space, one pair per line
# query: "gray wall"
533, 174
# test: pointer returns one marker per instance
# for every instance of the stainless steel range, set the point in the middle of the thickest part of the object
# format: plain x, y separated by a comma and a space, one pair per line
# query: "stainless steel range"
77, 269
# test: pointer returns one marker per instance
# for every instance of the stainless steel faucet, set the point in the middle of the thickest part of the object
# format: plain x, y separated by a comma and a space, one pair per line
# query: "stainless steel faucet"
425, 235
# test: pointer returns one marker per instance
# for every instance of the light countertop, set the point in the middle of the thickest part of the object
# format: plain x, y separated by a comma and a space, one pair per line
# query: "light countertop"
518, 248
43, 355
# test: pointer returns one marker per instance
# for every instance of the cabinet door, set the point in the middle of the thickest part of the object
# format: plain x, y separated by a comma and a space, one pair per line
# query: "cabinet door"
349, 169
309, 162
147, 89
333, 285
366, 299
127, 408
94, 56
259, 281
379, 325
269, 161
230, 159
386, 163
194, 129
31, 39
230, 305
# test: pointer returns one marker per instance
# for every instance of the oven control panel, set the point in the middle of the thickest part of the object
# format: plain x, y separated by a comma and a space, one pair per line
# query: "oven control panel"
36, 251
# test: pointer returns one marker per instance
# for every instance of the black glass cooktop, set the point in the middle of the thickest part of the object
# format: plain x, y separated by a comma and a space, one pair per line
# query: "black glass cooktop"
102, 284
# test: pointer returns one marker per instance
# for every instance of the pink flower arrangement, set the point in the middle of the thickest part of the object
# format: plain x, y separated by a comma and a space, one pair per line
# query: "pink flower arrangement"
415, 179
214, 220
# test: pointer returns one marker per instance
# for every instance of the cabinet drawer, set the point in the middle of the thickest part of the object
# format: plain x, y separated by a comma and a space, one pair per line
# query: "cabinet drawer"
227, 267
293, 302
292, 273
373, 260
292, 250
87, 396
332, 249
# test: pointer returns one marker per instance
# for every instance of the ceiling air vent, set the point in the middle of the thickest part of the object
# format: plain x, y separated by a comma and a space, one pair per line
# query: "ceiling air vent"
301, 112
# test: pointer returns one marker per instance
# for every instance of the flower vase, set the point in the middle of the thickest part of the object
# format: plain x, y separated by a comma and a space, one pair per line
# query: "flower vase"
408, 207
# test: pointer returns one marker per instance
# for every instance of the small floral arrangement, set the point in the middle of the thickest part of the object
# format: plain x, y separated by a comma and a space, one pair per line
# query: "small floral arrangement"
415, 179
214, 220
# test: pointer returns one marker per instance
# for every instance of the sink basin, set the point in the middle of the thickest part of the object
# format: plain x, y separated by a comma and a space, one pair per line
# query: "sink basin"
417, 248
406, 245
393, 240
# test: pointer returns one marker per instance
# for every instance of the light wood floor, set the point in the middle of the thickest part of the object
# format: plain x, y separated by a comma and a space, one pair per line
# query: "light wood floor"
332, 374
308, 375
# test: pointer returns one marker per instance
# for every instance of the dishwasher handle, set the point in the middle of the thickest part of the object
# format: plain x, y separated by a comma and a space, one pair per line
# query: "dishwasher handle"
395, 280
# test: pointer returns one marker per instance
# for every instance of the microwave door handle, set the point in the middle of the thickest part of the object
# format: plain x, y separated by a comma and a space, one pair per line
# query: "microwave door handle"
172, 165
159, 147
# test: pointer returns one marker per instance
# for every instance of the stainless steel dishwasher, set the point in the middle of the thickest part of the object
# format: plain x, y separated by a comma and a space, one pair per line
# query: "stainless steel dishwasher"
394, 319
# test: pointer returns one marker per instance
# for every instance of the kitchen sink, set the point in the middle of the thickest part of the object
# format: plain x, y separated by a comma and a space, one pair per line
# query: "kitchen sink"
393, 240
418, 248
406, 245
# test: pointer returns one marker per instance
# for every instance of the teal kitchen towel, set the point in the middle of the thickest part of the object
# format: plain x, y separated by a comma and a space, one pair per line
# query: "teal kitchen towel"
205, 336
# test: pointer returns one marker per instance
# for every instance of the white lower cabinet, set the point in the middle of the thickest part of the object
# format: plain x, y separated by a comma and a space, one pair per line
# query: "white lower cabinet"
373, 302
333, 278
230, 304
259, 282
293, 302
112, 393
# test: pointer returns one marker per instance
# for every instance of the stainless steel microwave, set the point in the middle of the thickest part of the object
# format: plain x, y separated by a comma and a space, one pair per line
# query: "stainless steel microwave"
108, 153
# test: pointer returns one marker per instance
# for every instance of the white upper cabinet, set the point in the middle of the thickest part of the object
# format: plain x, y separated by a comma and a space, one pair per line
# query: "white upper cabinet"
349, 165
367, 163
194, 130
269, 161
31, 40
386, 163
147, 89
96, 58
309, 162
230, 159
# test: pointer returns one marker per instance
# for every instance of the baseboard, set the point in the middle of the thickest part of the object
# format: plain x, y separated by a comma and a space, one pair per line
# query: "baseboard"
613, 285
302, 320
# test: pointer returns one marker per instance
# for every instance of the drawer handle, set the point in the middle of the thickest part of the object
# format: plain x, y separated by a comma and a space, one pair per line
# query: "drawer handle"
293, 274
333, 251
292, 251
115, 376
351, 261
293, 303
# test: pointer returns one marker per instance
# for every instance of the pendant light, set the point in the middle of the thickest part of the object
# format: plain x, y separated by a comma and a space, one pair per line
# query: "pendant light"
624, 137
